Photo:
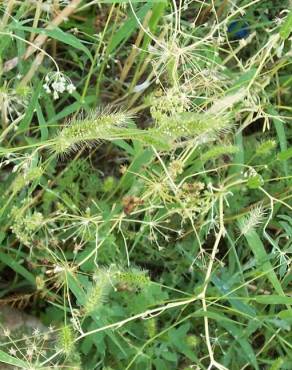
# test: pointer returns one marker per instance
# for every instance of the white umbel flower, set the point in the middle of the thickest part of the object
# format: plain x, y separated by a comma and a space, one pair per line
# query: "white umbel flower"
57, 83
71, 88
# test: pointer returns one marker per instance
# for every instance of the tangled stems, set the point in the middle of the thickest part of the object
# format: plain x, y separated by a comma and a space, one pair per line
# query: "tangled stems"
220, 234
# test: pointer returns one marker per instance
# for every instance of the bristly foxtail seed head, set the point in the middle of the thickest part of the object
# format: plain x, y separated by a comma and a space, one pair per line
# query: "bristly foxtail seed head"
253, 220
87, 130
189, 125
66, 340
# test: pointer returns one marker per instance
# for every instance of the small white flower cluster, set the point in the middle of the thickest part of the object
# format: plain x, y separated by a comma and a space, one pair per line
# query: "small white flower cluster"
57, 83
50, 6
13, 103
251, 172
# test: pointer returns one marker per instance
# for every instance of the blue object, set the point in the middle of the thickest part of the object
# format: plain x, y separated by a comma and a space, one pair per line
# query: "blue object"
238, 29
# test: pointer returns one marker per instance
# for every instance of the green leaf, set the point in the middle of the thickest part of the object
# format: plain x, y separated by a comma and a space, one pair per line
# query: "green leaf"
57, 34
127, 29
178, 338
68, 110
286, 27
132, 1
280, 129
170, 356
277, 364
255, 182
286, 154
286, 315
76, 288
7, 359
232, 297
262, 260
160, 364
247, 349
15, 266
142, 158
243, 80
24, 124
42, 123
239, 155
273, 299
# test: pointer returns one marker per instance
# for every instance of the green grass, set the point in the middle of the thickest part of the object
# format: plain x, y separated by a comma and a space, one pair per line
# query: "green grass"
145, 193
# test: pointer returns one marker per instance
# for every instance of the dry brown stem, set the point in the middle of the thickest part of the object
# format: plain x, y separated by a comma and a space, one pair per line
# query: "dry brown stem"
41, 39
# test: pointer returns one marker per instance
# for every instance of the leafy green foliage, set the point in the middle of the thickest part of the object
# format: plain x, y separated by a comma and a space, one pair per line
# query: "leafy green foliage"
145, 194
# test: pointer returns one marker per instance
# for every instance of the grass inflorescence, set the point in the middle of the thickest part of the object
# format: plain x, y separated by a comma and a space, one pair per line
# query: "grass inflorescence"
145, 184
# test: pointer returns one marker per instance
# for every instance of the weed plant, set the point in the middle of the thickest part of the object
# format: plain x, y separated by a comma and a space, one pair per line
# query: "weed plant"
145, 195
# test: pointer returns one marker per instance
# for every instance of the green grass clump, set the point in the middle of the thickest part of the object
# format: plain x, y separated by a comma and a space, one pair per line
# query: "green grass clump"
145, 184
